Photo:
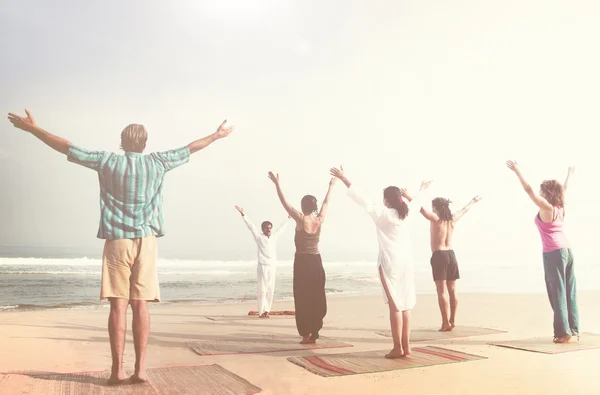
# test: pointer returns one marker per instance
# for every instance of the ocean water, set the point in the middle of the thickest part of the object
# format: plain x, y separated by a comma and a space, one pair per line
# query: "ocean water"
74, 283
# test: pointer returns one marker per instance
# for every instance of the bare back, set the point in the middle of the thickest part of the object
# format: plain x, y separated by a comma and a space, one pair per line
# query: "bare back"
441, 235
309, 223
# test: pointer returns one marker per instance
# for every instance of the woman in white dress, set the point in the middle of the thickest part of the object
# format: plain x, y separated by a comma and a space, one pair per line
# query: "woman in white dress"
395, 261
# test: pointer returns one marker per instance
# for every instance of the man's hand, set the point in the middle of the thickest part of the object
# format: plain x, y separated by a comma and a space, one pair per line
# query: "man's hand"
571, 170
241, 210
274, 178
24, 123
476, 199
224, 131
28, 124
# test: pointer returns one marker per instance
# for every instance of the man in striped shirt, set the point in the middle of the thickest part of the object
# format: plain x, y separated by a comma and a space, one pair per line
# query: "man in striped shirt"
131, 219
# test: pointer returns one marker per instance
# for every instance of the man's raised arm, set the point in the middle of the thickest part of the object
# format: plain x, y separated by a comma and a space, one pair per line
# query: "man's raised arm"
247, 221
28, 124
283, 226
222, 131
467, 207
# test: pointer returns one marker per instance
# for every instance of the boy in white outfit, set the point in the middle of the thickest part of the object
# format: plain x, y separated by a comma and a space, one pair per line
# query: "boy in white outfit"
266, 242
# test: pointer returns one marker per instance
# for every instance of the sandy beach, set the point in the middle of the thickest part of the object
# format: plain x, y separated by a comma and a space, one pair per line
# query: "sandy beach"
61, 341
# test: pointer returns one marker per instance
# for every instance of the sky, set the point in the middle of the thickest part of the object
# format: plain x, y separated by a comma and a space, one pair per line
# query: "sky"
396, 91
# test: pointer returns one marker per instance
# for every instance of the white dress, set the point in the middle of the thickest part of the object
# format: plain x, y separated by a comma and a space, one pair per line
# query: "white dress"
395, 249
267, 263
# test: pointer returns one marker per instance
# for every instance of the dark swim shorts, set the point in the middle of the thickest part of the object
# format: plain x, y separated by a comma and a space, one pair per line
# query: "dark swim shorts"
444, 265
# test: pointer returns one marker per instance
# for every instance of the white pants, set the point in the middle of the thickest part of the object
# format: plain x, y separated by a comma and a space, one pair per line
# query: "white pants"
266, 287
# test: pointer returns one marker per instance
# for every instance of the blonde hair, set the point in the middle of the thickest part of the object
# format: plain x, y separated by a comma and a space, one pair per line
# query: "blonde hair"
133, 138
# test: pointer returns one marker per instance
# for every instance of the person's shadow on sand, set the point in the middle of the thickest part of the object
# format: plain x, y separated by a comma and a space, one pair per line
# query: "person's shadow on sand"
86, 379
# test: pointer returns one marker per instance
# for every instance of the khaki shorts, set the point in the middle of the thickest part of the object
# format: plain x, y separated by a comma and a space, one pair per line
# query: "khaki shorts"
129, 269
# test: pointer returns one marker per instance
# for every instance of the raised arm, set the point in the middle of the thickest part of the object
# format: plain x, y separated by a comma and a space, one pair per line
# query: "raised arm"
376, 212
28, 124
458, 215
413, 200
339, 174
535, 197
569, 173
429, 215
222, 131
283, 226
295, 214
247, 221
325, 204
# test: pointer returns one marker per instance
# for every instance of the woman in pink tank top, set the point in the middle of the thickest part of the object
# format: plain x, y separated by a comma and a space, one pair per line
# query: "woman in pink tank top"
559, 268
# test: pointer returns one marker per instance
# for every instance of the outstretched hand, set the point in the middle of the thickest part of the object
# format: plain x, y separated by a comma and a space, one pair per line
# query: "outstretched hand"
337, 173
512, 164
274, 177
332, 181
223, 130
241, 210
24, 123
476, 199
571, 170
425, 184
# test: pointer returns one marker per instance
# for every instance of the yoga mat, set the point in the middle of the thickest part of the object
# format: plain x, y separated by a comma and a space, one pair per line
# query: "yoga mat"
206, 380
246, 317
261, 344
420, 335
274, 313
374, 361
209, 380
544, 345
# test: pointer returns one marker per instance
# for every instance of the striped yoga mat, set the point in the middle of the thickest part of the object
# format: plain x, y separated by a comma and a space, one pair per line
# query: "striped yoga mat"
544, 345
374, 361
429, 334
275, 313
260, 343
243, 317
206, 380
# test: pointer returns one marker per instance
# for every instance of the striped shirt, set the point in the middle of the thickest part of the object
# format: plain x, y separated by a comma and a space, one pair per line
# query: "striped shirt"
130, 189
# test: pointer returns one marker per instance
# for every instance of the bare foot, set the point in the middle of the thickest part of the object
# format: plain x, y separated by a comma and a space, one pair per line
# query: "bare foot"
395, 353
138, 378
452, 326
116, 379
407, 350
562, 340
307, 340
267, 315
445, 328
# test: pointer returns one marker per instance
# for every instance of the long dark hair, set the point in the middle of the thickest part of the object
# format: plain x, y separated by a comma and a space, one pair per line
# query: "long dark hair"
394, 198
442, 206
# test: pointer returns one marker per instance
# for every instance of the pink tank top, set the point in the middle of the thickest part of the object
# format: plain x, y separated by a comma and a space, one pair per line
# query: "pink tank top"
553, 233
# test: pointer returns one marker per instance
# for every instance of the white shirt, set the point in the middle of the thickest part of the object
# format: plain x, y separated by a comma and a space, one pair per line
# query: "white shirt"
395, 247
267, 246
